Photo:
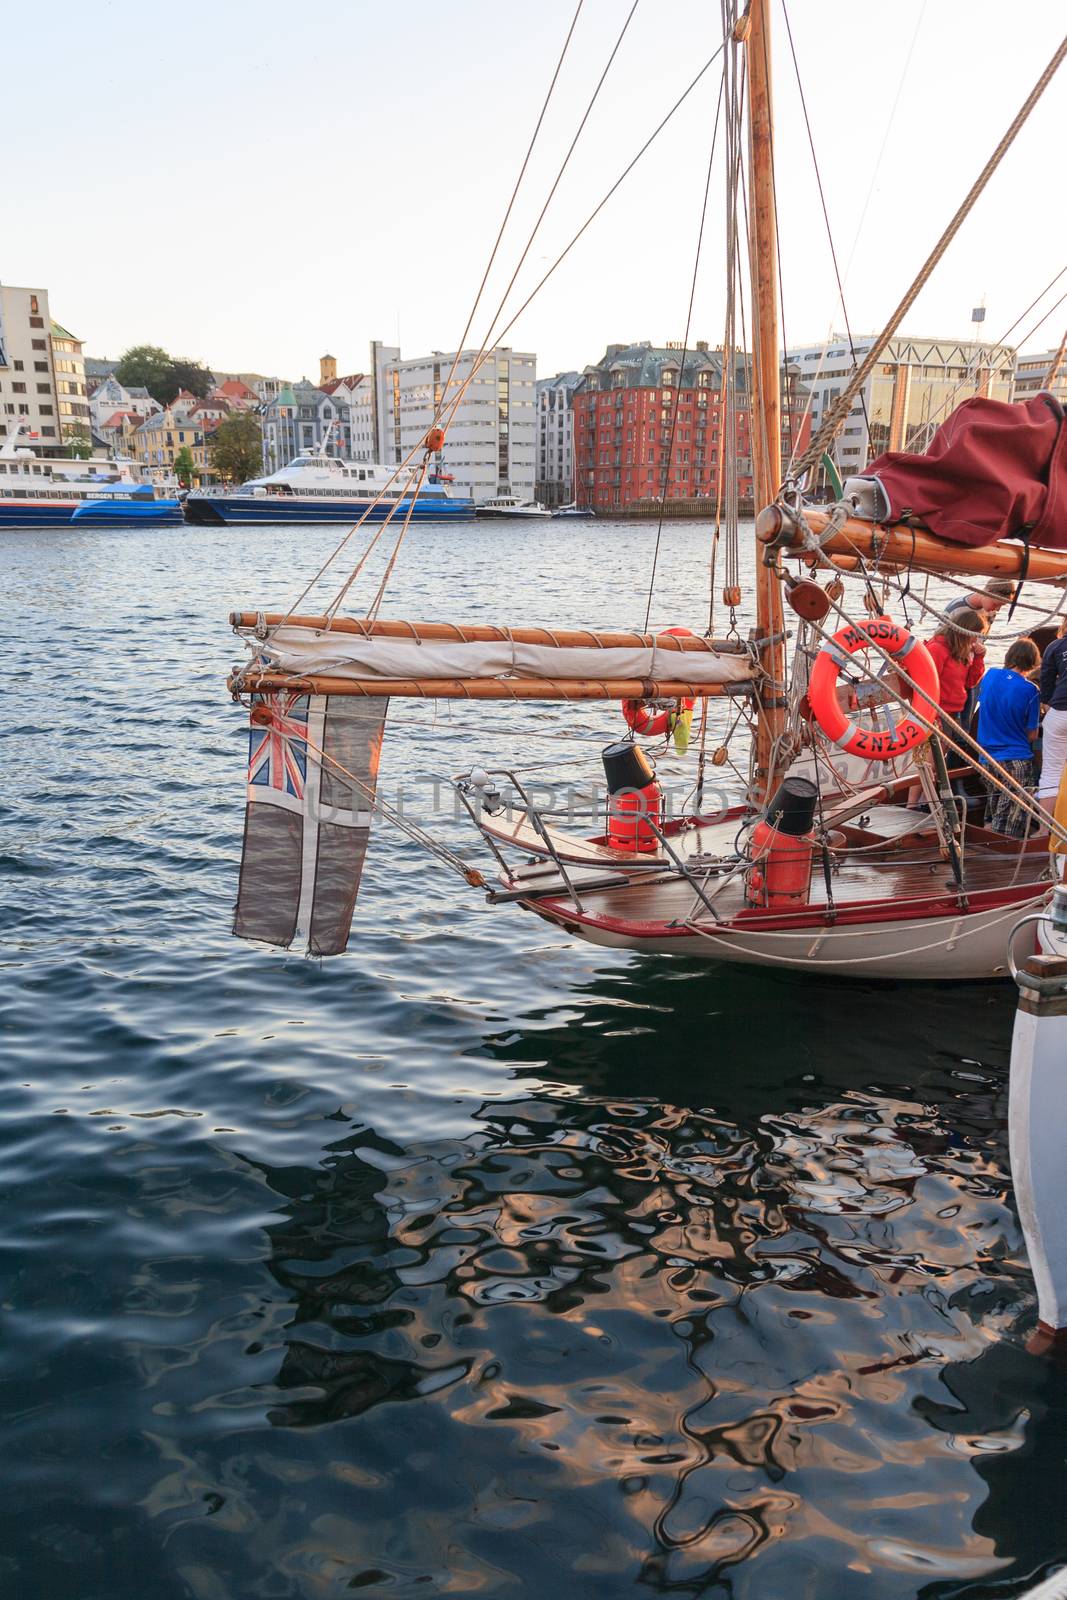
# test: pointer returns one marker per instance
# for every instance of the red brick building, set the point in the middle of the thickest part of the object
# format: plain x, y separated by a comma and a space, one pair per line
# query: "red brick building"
624, 411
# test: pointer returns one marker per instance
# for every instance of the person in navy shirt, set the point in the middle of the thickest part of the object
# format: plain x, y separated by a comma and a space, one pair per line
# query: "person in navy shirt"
1054, 744
1009, 716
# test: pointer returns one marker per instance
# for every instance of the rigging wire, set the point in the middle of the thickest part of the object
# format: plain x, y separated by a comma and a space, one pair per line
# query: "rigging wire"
565, 252
489, 340
922, 437
514, 195
829, 230
474, 307
685, 355
840, 406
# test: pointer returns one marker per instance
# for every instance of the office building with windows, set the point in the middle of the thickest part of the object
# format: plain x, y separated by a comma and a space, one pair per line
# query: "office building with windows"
554, 484
27, 381
1045, 371
72, 396
491, 442
913, 388
649, 423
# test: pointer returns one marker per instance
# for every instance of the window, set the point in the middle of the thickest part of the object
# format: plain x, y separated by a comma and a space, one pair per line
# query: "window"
46, 411
18, 388
49, 433
33, 303
40, 366
44, 388
36, 322
38, 344
20, 366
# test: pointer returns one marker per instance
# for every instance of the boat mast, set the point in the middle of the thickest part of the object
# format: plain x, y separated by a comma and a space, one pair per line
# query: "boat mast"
765, 419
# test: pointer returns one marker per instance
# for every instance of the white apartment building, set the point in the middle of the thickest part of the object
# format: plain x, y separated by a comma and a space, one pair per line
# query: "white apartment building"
27, 379
347, 411
491, 443
912, 389
554, 485
110, 396
1032, 375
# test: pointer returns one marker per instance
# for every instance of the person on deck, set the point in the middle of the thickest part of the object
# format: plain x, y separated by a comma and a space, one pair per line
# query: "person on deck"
1054, 735
959, 656
1008, 725
959, 668
985, 603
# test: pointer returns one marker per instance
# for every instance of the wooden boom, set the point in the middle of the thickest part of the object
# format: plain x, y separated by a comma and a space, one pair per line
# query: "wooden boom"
249, 681
485, 633
897, 546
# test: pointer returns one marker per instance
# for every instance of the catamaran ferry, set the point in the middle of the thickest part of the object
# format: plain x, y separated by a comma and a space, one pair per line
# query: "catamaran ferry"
315, 487
39, 493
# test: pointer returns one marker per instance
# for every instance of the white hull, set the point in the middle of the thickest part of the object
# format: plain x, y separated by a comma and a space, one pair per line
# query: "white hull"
933, 949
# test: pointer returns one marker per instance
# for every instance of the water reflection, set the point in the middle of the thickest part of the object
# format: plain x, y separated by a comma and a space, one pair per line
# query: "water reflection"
717, 1304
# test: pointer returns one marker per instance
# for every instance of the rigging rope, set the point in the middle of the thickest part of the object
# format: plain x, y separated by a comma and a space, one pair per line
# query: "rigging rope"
685, 355
829, 233
841, 405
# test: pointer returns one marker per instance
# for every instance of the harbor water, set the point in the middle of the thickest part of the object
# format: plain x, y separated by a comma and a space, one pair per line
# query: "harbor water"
477, 1261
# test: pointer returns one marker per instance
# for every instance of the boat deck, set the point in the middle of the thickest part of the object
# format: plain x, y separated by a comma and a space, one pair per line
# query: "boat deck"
893, 861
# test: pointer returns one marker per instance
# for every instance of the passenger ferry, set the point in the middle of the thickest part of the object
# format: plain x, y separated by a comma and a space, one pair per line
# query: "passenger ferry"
315, 487
40, 493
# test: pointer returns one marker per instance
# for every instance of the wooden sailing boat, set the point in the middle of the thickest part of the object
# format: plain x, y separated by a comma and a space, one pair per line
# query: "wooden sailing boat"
854, 883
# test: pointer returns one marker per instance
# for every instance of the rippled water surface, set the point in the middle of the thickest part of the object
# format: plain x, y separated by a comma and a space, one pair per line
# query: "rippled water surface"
477, 1261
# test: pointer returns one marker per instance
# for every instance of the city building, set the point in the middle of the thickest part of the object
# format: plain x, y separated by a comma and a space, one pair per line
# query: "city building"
72, 396
913, 388
554, 482
1045, 371
262, 388
291, 423
630, 404
239, 395
108, 395
158, 440
346, 417
27, 381
491, 442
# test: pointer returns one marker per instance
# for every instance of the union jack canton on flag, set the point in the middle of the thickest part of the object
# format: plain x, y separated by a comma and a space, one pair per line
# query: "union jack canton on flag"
312, 772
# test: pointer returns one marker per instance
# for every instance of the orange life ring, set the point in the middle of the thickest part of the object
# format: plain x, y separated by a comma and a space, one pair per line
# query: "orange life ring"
643, 716
870, 743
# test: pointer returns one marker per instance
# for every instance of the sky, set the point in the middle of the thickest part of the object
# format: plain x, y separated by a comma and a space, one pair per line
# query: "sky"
253, 184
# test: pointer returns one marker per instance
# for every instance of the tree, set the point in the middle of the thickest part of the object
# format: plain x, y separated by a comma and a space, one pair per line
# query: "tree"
236, 448
146, 366
191, 375
79, 444
150, 367
184, 466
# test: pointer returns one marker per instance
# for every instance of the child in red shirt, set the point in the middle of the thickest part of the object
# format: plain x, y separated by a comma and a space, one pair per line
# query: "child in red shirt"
959, 656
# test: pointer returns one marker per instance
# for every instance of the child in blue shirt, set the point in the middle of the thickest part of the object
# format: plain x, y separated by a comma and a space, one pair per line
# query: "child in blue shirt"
1009, 716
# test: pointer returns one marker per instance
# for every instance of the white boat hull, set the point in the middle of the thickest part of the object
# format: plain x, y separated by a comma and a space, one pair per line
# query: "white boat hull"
970, 945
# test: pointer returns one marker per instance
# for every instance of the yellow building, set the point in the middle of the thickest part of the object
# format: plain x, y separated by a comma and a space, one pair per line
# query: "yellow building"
159, 440
72, 395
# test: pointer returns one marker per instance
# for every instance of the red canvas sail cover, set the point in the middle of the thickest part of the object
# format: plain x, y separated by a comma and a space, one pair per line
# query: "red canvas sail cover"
993, 471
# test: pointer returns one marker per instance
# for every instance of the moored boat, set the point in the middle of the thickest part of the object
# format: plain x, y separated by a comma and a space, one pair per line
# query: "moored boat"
315, 487
815, 871
510, 505
39, 492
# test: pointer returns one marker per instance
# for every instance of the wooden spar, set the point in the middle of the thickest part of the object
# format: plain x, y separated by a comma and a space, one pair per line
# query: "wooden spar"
484, 633
765, 421
914, 547
250, 682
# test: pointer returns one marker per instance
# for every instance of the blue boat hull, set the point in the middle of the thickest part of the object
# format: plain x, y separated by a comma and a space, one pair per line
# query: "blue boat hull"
284, 508
62, 516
